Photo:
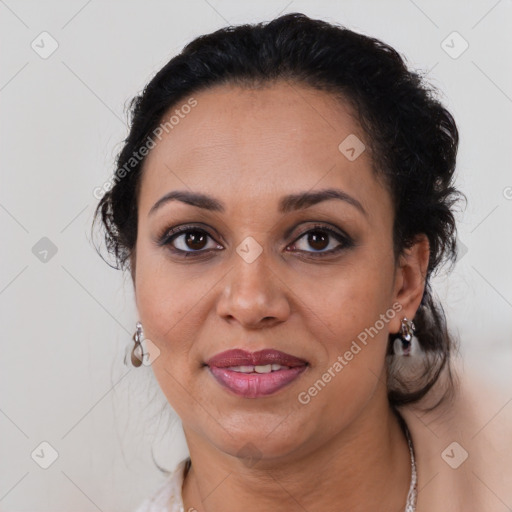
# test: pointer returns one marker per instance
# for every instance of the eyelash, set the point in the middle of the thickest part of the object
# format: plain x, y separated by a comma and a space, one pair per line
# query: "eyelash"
169, 235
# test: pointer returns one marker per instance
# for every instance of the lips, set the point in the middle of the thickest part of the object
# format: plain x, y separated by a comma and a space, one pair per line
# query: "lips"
238, 357
256, 374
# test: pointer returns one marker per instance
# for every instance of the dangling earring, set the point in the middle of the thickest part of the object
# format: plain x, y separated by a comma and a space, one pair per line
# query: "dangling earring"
137, 351
406, 344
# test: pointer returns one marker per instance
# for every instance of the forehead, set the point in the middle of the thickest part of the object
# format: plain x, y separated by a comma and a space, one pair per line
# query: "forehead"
241, 144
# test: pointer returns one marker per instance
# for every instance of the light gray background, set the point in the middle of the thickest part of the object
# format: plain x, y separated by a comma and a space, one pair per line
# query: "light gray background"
66, 322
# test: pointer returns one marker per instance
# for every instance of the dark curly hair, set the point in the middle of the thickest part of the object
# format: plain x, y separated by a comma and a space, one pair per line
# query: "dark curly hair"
411, 137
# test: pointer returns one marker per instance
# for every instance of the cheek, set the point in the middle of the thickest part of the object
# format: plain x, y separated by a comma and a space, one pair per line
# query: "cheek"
163, 300
350, 315
352, 368
167, 302
162, 294
350, 298
174, 303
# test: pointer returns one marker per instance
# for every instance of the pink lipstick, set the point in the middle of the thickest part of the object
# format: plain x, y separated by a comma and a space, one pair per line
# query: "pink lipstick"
255, 374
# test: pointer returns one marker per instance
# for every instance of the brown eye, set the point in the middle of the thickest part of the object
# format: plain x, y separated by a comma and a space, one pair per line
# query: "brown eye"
318, 240
187, 241
323, 241
195, 240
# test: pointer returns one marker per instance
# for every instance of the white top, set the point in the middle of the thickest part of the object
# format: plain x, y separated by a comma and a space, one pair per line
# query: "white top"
167, 498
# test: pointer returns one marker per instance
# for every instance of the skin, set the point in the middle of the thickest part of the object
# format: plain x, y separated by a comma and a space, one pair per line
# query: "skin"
344, 450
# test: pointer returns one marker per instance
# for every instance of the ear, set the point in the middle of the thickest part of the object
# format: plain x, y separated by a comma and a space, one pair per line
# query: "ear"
410, 280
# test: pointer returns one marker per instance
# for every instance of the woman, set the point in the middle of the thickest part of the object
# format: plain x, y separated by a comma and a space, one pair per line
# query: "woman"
282, 199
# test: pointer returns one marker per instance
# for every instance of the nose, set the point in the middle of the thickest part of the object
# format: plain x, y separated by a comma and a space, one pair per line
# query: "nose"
253, 295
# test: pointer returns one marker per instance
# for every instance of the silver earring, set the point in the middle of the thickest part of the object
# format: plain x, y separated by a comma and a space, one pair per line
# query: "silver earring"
137, 350
406, 344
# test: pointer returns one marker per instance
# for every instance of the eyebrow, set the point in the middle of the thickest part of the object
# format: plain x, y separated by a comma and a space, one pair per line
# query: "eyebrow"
287, 203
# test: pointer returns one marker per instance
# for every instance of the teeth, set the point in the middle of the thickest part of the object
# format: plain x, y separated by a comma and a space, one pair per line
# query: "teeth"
263, 369
267, 368
241, 369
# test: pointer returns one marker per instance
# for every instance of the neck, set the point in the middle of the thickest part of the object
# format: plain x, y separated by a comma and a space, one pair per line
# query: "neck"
364, 467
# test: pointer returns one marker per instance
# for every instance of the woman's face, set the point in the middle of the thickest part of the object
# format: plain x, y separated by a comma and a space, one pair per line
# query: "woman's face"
267, 270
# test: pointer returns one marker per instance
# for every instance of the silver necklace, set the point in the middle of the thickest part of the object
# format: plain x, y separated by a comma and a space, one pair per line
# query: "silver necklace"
412, 495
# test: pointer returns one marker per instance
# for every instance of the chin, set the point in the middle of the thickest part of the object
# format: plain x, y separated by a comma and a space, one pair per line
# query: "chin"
253, 441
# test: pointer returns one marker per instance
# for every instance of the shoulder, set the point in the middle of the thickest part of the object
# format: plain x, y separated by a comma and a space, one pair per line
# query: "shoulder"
167, 497
464, 445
